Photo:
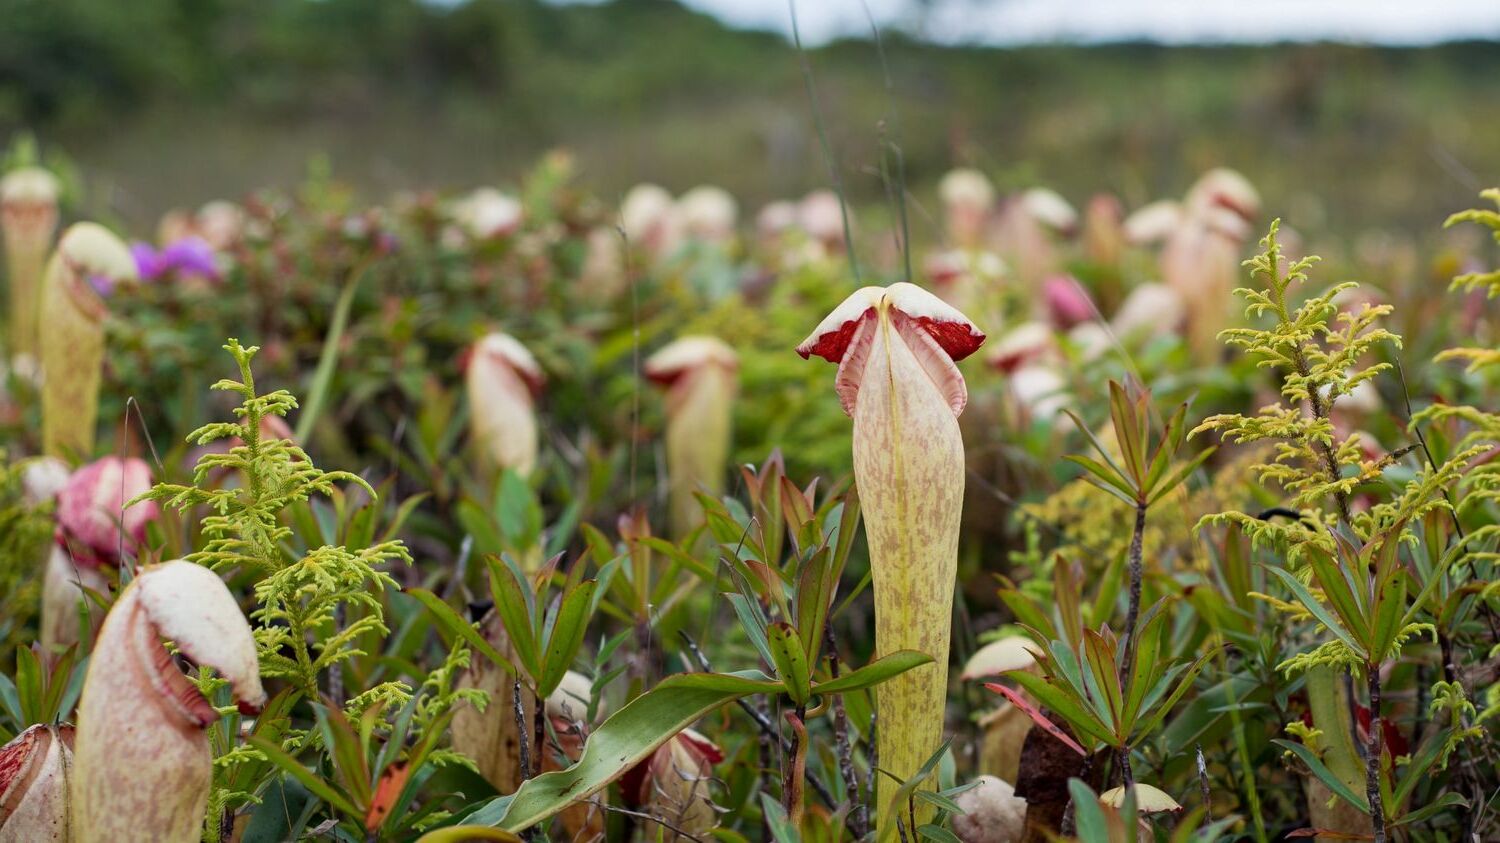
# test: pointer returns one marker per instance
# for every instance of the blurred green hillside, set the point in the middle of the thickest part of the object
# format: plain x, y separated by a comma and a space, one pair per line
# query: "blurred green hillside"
172, 102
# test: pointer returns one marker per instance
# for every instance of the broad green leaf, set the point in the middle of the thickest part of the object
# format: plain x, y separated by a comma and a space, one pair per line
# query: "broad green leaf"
815, 590
1088, 815
1100, 657
514, 604
1390, 605
467, 833
567, 634
628, 736
1345, 600
790, 660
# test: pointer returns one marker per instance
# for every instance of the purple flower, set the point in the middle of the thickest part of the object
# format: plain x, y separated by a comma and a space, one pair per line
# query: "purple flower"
188, 257
192, 256
148, 262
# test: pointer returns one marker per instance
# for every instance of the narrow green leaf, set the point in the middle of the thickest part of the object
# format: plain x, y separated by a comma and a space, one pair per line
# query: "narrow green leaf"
873, 673
1324, 775
1065, 705
1315, 607
312, 781
456, 625
322, 382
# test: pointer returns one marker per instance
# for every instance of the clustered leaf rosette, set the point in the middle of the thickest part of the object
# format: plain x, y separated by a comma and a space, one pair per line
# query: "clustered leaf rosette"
503, 380
896, 349
699, 374
34, 773
88, 264
95, 530
144, 766
28, 218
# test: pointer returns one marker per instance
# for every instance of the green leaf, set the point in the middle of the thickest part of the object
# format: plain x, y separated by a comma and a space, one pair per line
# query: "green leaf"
1162, 709
456, 625
312, 781
1325, 775
873, 673
1037, 716
1171, 440
627, 737
346, 751
466, 834
1104, 478
790, 661
515, 604
815, 589
1065, 705
322, 382
1316, 608
1100, 656
1129, 432
1088, 815
1340, 595
1390, 605
754, 624
1181, 474
1446, 801
567, 634
909, 787
1096, 444
935, 832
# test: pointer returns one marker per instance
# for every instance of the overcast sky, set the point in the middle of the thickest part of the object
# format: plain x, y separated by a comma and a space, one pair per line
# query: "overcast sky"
1176, 21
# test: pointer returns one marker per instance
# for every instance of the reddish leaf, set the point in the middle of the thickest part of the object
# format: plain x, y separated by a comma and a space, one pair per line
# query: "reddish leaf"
1036, 716
387, 791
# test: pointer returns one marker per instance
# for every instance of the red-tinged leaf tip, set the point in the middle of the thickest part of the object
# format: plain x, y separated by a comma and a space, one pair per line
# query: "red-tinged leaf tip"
1036, 716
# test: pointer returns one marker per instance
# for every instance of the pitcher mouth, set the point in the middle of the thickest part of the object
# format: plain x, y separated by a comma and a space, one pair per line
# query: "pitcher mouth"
176, 693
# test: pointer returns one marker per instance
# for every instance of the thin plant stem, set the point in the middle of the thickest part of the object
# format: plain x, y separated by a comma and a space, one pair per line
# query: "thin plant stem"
1372, 753
520, 714
1132, 617
1208, 802
539, 730
795, 774
858, 816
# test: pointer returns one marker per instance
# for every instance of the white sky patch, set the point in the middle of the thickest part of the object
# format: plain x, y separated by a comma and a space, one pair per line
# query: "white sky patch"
1171, 21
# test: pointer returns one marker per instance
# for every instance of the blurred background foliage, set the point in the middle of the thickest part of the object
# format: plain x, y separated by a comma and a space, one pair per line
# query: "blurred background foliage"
403, 93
